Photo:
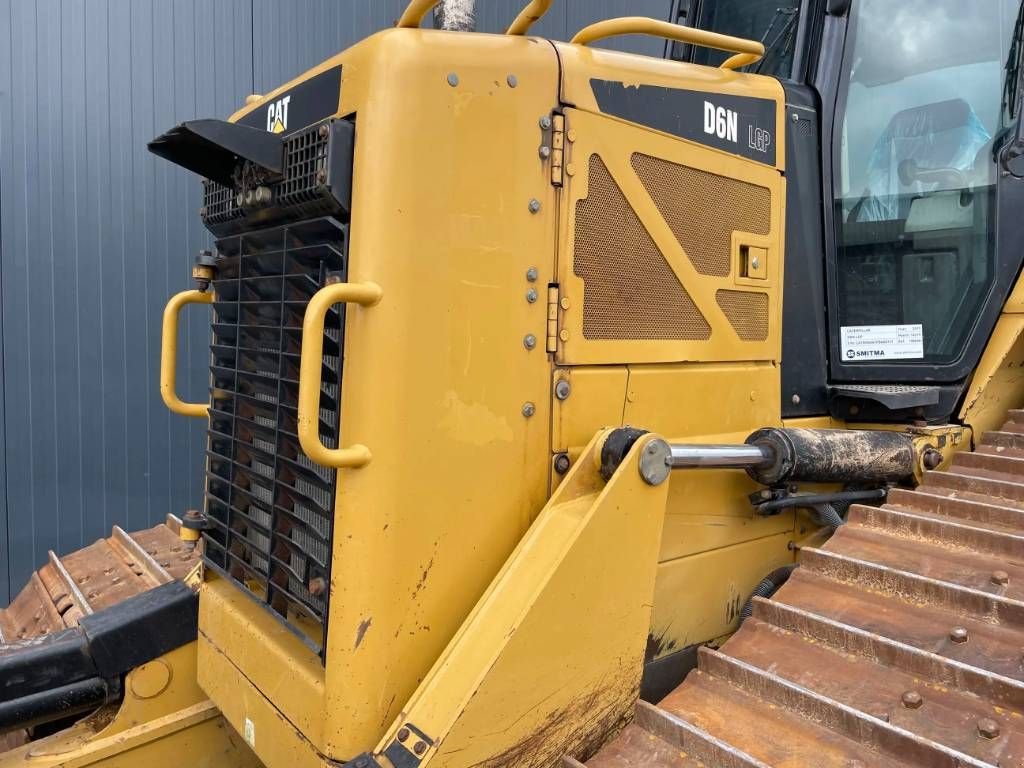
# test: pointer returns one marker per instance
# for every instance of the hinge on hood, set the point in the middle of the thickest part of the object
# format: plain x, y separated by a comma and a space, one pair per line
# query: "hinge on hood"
557, 149
551, 344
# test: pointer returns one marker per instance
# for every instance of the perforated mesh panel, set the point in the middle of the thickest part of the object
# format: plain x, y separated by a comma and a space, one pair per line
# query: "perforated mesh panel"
747, 311
704, 209
271, 508
629, 290
305, 162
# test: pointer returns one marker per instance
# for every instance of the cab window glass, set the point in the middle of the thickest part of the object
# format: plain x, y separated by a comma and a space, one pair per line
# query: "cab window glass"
921, 104
772, 22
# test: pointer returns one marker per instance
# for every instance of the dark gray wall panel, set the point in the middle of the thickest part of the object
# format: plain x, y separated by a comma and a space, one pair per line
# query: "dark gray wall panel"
5, 141
290, 37
96, 234
566, 17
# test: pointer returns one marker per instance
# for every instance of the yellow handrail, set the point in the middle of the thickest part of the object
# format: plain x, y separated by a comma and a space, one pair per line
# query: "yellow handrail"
748, 51
169, 353
310, 365
413, 15
526, 18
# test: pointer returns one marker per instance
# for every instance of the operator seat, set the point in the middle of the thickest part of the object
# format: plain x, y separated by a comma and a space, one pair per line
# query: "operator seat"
946, 135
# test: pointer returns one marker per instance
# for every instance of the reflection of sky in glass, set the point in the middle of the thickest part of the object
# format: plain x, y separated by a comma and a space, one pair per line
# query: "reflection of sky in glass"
905, 36
913, 53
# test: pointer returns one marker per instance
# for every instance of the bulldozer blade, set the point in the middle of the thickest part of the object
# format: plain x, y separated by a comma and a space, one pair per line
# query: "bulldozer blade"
96, 577
102, 575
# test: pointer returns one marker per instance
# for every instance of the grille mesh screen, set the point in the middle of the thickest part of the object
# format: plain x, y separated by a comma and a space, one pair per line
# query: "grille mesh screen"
305, 162
747, 311
271, 507
629, 289
306, 157
703, 209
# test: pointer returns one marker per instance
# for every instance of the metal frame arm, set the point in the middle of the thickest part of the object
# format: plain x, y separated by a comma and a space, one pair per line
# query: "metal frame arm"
579, 586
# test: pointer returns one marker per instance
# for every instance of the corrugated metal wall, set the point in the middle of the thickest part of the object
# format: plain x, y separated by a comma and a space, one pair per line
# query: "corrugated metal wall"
96, 234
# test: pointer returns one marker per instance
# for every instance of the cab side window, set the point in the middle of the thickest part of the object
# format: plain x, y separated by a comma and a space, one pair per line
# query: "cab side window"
772, 22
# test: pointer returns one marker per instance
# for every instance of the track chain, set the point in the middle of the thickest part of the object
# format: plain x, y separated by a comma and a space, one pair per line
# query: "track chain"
899, 642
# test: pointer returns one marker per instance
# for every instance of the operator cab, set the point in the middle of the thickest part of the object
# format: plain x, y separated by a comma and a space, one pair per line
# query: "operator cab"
903, 232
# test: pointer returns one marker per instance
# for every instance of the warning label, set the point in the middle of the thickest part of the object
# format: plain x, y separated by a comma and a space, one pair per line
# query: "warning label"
881, 342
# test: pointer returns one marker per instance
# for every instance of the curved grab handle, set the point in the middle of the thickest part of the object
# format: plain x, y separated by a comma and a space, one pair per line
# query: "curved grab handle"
747, 51
528, 16
169, 353
310, 365
413, 15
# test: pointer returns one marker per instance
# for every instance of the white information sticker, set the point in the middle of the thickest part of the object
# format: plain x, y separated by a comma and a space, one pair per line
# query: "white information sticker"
881, 342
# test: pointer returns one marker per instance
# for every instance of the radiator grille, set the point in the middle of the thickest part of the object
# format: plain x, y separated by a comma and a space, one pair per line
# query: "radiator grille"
747, 311
270, 506
703, 210
629, 289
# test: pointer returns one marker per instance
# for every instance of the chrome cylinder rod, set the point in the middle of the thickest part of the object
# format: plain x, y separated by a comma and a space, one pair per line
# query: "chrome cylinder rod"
719, 456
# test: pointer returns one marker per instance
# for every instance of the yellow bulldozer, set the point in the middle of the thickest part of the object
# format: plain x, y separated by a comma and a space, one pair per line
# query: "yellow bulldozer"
570, 406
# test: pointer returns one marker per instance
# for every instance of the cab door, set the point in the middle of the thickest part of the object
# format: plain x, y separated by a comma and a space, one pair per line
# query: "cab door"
922, 243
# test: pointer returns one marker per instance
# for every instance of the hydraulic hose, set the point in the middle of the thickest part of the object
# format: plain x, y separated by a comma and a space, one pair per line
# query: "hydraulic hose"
768, 586
843, 498
56, 703
828, 516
